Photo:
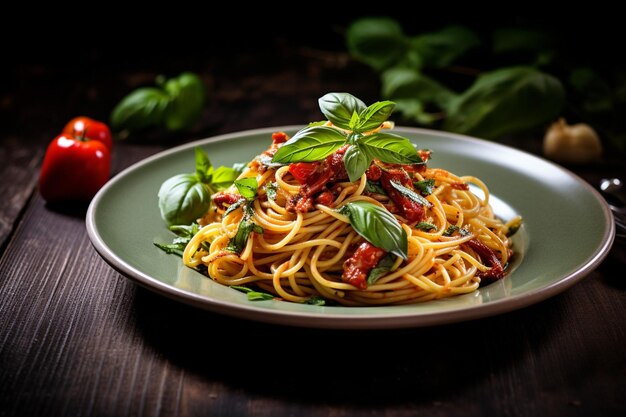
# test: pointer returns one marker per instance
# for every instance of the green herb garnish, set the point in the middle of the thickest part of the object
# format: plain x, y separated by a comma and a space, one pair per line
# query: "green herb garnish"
252, 294
184, 198
376, 225
347, 112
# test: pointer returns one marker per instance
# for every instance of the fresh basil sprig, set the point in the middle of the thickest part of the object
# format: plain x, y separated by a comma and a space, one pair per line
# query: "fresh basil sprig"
184, 234
347, 112
185, 197
248, 188
376, 225
175, 104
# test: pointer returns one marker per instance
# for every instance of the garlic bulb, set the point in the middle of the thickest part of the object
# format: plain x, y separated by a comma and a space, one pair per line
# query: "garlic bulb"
577, 143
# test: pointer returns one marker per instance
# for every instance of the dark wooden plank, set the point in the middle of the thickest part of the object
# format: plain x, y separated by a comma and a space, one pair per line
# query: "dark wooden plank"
18, 169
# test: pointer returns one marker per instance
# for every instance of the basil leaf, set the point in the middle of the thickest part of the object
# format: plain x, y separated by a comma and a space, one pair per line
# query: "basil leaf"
246, 226
506, 101
410, 85
339, 108
259, 296
270, 190
143, 108
234, 206
382, 267
426, 187
425, 226
171, 249
390, 148
241, 288
356, 162
315, 300
309, 145
247, 187
375, 188
223, 177
204, 169
354, 121
252, 294
374, 116
187, 99
441, 48
376, 225
183, 199
320, 123
450, 230
183, 230
407, 192
378, 42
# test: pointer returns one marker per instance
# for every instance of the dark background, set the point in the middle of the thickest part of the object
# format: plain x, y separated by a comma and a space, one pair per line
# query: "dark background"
85, 65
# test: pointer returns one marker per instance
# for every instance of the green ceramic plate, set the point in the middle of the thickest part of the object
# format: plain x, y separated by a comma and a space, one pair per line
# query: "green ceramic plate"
568, 230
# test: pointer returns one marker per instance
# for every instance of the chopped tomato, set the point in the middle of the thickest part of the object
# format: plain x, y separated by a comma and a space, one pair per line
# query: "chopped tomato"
357, 267
303, 170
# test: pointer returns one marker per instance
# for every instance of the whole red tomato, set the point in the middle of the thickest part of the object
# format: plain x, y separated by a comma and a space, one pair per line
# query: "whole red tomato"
85, 127
74, 169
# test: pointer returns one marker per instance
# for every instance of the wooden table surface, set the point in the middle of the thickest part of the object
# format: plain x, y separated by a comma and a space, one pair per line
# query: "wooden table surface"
79, 339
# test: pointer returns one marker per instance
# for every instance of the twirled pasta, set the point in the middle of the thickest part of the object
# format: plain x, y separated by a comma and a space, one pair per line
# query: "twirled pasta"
302, 254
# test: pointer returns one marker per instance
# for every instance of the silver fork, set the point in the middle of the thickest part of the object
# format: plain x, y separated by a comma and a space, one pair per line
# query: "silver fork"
613, 187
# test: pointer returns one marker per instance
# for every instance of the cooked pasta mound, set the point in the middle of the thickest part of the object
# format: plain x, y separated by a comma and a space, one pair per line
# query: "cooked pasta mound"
399, 234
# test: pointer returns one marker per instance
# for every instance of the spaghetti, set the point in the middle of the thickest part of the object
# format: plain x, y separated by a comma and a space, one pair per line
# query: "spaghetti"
300, 242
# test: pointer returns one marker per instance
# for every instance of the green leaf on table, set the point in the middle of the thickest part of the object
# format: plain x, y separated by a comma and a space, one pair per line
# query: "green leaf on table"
143, 108
505, 101
187, 100
174, 104
410, 84
378, 226
377, 41
443, 47
310, 144
339, 108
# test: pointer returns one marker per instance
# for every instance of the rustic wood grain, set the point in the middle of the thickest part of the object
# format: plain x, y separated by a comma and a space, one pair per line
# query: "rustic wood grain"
18, 169
79, 339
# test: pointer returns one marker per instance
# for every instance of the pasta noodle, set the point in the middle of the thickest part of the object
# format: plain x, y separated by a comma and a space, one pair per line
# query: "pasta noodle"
300, 253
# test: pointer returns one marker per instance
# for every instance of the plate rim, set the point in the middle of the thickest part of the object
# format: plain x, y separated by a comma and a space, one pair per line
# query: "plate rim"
332, 320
